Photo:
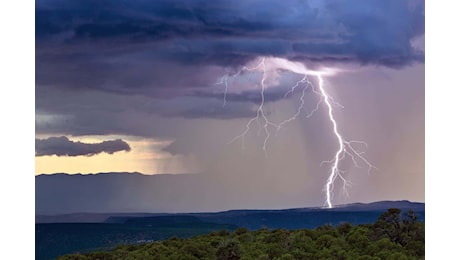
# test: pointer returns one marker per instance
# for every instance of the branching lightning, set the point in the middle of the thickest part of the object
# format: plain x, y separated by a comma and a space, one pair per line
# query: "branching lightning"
346, 149
260, 117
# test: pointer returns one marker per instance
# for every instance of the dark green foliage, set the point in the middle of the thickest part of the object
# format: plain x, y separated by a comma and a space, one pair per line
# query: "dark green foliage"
229, 250
395, 235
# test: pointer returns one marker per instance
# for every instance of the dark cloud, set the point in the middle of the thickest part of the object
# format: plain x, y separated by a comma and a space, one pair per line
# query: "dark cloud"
94, 112
252, 96
116, 67
141, 46
199, 107
62, 146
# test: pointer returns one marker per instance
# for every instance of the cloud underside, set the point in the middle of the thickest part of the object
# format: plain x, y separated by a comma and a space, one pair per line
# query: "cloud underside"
62, 146
121, 67
170, 46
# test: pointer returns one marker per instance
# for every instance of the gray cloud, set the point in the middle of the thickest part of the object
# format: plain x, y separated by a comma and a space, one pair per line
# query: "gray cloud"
164, 48
134, 67
62, 146
88, 112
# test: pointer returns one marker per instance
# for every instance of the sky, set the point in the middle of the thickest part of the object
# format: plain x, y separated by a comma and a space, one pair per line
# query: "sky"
125, 86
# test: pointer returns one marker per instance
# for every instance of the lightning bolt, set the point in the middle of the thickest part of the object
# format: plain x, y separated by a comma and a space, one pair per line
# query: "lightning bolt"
260, 117
346, 149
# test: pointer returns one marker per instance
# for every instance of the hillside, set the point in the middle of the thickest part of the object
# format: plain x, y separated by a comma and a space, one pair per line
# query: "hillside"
395, 235
53, 239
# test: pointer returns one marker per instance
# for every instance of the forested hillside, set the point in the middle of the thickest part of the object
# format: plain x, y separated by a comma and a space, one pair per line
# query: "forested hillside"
395, 235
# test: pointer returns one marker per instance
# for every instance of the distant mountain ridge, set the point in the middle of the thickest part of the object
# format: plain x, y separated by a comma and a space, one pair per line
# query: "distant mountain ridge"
370, 209
95, 197
380, 205
358, 206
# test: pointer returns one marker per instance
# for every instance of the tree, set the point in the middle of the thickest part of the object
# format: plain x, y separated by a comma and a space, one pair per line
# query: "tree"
344, 228
400, 228
390, 224
228, 250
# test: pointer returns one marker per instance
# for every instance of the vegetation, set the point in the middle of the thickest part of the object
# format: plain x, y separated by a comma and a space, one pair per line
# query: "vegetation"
395, 235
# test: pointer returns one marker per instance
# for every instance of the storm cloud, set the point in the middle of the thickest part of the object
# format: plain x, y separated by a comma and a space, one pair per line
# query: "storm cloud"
170, 47
154, 72
62, 146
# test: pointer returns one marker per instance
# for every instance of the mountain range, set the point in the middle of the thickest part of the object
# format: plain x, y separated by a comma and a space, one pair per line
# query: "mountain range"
95, 198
